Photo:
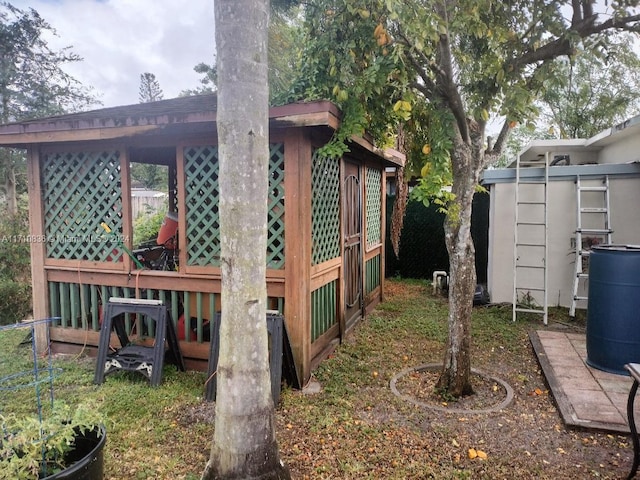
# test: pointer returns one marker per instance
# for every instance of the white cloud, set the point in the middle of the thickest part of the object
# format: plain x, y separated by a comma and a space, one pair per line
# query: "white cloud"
121, 39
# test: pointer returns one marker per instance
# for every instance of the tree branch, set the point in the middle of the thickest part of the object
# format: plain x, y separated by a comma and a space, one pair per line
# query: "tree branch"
497, 147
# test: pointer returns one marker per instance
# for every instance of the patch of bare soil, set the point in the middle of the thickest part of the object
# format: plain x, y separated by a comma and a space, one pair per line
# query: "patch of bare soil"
420, 387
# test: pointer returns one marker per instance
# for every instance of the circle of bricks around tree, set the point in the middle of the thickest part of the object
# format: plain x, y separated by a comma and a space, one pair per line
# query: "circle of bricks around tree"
509, 394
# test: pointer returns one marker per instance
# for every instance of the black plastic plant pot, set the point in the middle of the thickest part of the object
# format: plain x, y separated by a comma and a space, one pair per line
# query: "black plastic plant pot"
86, 460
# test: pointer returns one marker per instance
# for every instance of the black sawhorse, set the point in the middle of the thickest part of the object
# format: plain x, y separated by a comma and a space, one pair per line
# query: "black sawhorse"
634, 371
147, 360
275, 331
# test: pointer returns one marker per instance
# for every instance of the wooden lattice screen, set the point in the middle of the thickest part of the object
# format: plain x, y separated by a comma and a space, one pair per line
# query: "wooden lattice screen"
275, 242
81, 190
202, 199
325, 205
201, 203
374, 206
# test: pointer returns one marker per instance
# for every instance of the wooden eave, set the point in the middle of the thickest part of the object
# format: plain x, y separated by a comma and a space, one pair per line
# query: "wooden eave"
193, 115
183, 116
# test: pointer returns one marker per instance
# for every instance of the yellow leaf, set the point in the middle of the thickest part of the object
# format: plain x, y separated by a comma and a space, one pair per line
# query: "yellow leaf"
378, 30
364, 13
425, 170
406, 106
538, 391
383, 39
484, 114
482, 455
472, 453
426, 149
454, 442
397, 105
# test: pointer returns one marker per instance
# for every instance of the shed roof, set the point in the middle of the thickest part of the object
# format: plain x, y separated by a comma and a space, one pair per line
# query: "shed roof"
183, 115
194, 114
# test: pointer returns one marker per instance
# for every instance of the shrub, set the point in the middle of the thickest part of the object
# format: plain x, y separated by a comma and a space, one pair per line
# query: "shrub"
15, 301
15, 258
146, 227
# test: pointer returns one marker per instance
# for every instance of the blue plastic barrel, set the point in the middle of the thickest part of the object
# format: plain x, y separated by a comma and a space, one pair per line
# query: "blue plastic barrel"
613, 315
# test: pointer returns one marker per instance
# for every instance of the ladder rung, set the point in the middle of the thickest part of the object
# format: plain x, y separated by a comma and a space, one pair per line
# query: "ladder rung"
530, 245
531, 202
583, 275
580, 298
529, 310
594, 210
529, 266
584, 253
532, 182
535, 289
592, 189
540, 224
595, 231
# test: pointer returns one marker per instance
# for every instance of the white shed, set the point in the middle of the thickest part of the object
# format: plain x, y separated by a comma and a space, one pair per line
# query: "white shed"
558, 167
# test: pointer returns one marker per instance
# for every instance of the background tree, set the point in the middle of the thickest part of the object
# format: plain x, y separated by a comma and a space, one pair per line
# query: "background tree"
32, 84
597, 90
468, 60
594, 90
244, 442
150, 90
150, 175
284, 35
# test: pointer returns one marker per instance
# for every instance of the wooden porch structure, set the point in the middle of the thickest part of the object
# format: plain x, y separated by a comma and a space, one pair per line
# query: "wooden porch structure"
326, 221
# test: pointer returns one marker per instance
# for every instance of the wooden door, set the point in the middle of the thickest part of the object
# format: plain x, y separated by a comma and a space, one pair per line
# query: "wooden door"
352, 242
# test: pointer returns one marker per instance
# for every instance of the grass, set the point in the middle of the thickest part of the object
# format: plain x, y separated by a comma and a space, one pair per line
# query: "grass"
355, 428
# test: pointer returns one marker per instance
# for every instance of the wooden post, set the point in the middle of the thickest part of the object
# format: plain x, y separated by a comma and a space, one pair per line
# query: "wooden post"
40, 289
297, 307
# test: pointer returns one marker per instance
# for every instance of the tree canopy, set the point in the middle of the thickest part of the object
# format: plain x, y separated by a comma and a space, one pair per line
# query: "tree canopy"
387, 63
33, 84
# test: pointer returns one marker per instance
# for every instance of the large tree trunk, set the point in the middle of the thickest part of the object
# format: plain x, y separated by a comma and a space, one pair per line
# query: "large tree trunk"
467, 164
244, 443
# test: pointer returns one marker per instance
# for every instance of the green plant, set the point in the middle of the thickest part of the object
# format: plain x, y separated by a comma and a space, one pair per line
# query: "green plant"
15, 301
146, 227
37, 446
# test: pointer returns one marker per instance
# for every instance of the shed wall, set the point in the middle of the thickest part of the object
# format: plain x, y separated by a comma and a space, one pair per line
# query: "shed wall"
625, 221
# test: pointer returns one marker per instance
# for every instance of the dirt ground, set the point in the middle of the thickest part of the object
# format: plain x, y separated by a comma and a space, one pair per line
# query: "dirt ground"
357, 428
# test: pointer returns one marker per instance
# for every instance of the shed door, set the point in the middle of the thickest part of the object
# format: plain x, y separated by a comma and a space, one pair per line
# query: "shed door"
352, 231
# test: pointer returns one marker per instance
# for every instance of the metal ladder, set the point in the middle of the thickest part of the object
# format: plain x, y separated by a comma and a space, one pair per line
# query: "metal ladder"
596, 218
530, 249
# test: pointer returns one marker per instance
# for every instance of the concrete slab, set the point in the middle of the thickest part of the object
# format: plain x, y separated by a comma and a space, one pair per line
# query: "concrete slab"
586, 397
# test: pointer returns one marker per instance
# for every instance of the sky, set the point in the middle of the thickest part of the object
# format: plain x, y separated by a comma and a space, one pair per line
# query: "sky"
121, 39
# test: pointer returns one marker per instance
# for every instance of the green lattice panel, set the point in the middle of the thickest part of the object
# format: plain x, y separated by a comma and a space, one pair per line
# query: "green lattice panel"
325, 205
372, 272
323, 309
275, 216
201, 169
80, 191
202, 201
374, 206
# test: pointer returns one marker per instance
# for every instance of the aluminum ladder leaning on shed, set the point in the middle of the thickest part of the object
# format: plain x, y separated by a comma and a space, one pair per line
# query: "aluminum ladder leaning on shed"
593, 227
530, 246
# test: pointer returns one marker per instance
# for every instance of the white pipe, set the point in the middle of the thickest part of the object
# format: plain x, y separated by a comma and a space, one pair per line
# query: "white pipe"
436, 275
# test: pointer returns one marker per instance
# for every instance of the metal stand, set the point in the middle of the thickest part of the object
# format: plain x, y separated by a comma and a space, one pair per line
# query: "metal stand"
634, 370
147, 360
